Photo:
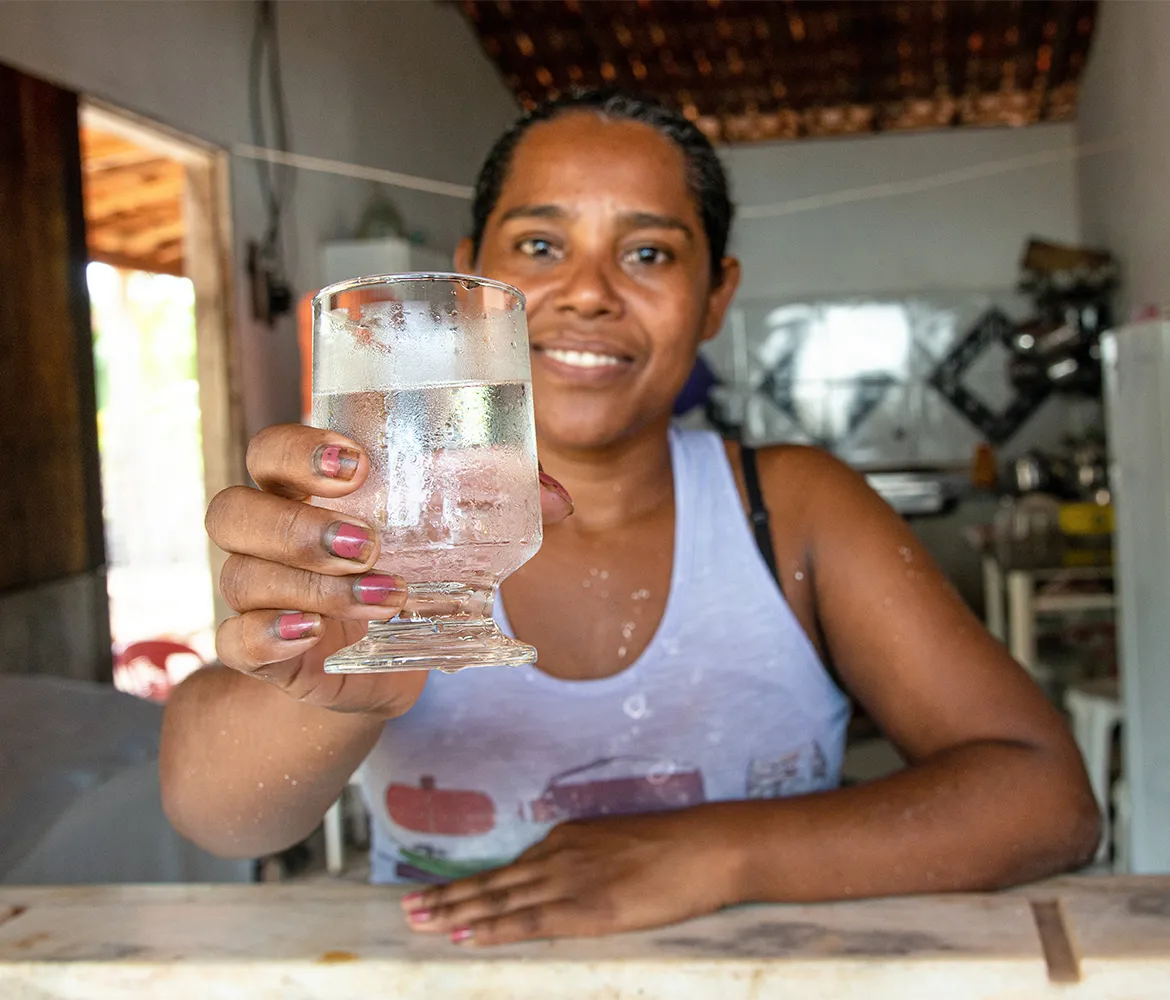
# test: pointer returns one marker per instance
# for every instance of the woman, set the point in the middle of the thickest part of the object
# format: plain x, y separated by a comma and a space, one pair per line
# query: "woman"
648, 770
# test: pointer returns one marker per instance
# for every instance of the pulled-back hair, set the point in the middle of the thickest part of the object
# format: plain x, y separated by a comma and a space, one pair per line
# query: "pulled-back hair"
706, 179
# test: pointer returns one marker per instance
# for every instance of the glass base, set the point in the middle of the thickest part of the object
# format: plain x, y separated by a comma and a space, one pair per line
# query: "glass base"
430, 644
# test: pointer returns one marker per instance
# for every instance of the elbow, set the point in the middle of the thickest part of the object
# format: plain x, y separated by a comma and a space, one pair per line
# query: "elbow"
1083, 823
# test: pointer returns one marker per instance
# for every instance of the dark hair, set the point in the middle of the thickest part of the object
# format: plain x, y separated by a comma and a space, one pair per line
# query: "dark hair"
705, 177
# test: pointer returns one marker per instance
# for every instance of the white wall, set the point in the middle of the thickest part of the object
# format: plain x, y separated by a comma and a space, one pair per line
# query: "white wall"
1123, 193
403, 86
964, 236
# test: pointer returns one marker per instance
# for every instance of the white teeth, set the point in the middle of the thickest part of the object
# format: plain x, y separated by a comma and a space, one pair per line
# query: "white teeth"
582, 359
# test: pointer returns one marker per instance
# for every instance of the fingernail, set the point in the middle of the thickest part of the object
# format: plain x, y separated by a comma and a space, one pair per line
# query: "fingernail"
297, 626
411, 897
419, 916
337, 462
460, 934
549, 483
376, 588
348, 541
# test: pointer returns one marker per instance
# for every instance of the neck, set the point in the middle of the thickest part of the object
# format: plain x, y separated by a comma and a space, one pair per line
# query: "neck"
616, 484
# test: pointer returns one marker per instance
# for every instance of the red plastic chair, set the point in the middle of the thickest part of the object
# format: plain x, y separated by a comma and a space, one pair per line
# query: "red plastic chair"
156, 684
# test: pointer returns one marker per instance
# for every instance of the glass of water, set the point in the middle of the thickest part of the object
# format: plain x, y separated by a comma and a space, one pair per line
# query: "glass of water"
430, 374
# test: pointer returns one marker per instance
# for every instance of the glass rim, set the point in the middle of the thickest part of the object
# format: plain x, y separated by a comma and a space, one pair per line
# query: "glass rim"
398, 279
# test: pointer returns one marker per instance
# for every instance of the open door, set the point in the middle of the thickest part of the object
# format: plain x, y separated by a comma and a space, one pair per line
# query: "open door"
53, 606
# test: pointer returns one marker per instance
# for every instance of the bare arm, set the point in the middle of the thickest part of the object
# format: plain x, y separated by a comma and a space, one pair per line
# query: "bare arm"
247, 770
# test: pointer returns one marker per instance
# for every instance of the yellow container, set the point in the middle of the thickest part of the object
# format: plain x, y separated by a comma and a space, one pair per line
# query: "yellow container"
1086, 518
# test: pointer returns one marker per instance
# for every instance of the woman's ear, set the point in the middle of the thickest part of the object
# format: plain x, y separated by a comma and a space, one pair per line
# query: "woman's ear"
719, 298
465, 256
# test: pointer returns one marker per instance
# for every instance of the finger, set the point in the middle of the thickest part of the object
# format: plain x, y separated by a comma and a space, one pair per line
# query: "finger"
251, 584
267, 644
555, 502
251, 522
498, 902
493, 883
296, 461
554, 919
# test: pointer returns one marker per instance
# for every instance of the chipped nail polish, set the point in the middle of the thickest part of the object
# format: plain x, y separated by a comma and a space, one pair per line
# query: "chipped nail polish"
411, 897
348, 541
296, 625
376, 588
337, 462
460, 935
549, 483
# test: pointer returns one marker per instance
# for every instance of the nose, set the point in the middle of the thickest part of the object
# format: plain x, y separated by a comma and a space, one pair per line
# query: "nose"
587, 290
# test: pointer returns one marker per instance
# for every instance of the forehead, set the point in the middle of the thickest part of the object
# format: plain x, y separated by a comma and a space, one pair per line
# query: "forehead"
583, 157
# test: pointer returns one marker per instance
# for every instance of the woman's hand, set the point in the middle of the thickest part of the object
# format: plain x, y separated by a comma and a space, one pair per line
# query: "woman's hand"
586, 878
300, 578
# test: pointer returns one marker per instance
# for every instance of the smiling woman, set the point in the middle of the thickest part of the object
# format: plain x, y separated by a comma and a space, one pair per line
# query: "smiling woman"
680, 745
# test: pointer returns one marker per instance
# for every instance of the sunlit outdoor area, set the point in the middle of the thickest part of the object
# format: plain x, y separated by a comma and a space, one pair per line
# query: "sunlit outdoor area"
151, 461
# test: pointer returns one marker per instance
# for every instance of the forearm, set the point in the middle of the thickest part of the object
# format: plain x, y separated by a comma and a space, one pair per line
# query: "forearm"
978, 816
245, 770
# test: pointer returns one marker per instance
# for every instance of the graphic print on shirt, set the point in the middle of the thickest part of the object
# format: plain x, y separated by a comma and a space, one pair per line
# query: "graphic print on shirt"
616, 786
805, 769
609, 786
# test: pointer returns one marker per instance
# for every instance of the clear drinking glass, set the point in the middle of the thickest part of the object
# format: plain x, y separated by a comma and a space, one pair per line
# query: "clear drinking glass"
429, 373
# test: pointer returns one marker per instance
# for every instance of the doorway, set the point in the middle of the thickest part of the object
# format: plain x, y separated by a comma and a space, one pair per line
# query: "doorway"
167, 407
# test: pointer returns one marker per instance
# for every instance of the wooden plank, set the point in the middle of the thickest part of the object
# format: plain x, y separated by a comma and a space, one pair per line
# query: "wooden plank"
50, 502
1059, 956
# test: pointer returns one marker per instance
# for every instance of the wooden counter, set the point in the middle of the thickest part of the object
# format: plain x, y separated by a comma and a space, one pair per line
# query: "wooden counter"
1073, 938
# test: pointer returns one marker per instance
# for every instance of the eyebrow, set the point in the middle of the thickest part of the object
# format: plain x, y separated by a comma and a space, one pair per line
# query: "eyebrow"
629, 220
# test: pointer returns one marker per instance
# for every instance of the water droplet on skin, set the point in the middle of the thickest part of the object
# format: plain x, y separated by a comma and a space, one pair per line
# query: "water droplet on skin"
628, 629
259, 784
593, 572
605, 574
905, 553
799, 575
640, 595
585, 583
621, 650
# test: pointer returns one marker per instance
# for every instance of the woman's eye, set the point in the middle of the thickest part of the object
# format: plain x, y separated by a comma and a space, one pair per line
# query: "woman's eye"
647, 255
534, 246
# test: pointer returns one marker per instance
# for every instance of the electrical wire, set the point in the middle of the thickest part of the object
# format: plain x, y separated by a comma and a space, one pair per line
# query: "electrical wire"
277, 180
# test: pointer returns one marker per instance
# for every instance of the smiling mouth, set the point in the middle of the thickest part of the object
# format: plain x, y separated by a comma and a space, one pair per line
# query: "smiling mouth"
582, 359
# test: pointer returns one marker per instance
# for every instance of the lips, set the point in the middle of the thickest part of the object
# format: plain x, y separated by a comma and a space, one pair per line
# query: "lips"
580, 360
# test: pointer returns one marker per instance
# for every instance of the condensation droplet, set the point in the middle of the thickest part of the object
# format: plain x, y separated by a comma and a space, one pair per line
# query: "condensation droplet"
640, 595
905, 553
660, 772
605, 574
621, 650
593, 572
799, 575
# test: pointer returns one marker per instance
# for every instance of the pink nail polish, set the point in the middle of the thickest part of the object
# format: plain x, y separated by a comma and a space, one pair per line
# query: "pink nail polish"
411, 897
460, 935
296, 625
337, 462
376, 588
549, 483
348, 541
419, 916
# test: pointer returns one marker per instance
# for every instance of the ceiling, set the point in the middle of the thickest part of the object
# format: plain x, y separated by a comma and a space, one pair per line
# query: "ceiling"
133, 204
747, 70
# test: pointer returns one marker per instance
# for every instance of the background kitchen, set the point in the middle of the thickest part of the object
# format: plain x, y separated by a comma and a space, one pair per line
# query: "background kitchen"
943, 206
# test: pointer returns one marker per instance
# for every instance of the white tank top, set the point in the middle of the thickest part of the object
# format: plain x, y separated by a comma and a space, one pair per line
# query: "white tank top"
728, 701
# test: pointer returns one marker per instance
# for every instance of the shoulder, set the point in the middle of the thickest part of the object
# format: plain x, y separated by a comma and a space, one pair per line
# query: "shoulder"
800, 483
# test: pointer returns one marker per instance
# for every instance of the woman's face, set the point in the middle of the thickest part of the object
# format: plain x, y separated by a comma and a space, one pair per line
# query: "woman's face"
596, 226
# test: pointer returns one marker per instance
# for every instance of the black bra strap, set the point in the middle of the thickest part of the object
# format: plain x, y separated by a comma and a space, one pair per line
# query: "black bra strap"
759, 518
758, 510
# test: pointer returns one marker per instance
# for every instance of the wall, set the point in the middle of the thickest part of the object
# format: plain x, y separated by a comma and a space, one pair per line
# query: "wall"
1124, 96
964, 235
403, 86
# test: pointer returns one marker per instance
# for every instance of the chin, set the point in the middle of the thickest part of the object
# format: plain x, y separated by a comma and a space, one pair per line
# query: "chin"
583, 428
